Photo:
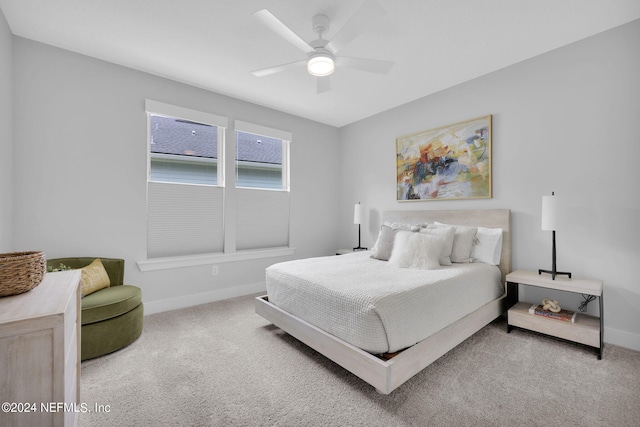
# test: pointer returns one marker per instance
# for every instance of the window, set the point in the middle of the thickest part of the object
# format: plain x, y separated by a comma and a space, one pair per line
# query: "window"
261, 157
262, 164
186, 147
183, 151
188, 208
258, 161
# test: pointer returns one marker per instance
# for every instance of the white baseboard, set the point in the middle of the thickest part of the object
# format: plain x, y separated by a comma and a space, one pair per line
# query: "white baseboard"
168, 304
622, 338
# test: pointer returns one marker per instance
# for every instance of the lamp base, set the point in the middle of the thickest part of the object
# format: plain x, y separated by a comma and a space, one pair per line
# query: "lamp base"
359, 248
554, 273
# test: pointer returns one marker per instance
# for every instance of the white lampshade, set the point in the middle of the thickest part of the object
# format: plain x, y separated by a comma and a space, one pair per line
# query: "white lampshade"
358, 214
549, 213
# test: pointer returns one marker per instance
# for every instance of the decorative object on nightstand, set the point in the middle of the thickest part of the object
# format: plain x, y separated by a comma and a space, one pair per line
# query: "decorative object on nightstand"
552, 310
550, 223
358, 215
553, 306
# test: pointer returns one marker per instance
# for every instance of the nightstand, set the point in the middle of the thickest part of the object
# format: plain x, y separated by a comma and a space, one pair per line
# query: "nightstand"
587, 330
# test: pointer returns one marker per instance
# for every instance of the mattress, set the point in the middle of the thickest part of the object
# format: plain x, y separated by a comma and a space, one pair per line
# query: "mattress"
375, 306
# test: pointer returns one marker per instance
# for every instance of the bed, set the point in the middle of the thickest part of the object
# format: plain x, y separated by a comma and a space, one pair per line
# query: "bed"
374, 332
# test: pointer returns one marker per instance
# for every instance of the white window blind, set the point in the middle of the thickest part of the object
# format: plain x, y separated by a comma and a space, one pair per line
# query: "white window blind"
184, 219
262, 219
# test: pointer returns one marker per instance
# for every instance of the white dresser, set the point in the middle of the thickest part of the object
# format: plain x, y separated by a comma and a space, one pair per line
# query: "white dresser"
40, 353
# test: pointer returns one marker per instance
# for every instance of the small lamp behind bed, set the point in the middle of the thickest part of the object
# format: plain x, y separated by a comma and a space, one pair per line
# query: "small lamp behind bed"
358, 215
550, 223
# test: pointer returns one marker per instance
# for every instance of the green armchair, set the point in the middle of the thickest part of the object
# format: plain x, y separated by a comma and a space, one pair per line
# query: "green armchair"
112, 317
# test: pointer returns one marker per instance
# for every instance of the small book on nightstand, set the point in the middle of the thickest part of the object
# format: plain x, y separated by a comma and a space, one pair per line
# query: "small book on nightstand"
564, 315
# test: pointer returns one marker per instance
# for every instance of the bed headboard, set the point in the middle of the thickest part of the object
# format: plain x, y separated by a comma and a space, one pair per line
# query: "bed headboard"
489, 218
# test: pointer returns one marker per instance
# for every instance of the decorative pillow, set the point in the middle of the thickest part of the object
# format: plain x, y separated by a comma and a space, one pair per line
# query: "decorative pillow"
416, 250
446, 234
383, 238
462, 242
488, 247
384, 245
94, 277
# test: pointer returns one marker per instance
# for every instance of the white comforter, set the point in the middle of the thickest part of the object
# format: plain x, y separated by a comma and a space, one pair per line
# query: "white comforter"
375, 306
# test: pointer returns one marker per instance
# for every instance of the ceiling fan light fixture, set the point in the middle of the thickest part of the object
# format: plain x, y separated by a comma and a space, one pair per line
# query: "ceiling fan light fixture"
321, 64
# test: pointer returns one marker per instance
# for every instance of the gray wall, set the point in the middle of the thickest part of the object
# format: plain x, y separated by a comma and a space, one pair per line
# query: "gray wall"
6, 136
80, 142
564, 122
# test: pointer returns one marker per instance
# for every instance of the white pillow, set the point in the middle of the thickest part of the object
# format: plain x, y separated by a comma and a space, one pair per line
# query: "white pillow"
462, 242
383, 238
488, 247
384, 245
447, 235
416, 250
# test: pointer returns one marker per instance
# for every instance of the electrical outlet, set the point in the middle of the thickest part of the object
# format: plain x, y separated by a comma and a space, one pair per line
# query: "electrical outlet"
214, 270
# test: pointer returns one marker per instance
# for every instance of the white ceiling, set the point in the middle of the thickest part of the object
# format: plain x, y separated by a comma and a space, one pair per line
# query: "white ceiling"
215, 44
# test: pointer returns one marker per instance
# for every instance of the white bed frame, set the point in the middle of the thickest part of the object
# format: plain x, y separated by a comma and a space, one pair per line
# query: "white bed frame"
387, 375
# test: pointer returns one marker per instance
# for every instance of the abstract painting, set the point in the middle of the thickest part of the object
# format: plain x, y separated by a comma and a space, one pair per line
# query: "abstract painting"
448, 163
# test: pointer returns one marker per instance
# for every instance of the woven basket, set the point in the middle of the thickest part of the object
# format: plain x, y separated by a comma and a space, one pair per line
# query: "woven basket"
21, 271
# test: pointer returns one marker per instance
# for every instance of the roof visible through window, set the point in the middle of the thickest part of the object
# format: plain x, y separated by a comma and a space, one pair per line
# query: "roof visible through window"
258, 148
183, 137
187, 138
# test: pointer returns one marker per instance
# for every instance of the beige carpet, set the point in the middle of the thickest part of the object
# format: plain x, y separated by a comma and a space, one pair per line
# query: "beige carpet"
220, 364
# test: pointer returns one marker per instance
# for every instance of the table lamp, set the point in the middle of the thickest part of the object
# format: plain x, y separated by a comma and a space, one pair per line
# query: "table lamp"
550, 223
358, 215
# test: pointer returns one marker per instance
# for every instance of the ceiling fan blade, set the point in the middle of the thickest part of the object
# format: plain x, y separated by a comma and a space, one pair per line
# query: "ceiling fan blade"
278, 68
275, 25
377, 66
324, 84
366, 17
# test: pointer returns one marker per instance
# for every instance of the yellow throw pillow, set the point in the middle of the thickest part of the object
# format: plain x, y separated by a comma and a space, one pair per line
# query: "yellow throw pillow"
94, 278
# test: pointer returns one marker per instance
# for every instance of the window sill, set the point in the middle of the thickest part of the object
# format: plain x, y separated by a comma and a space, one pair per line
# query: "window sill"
205, 259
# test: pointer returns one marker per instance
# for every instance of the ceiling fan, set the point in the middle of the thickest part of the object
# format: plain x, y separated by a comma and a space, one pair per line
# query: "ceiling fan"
322, 58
